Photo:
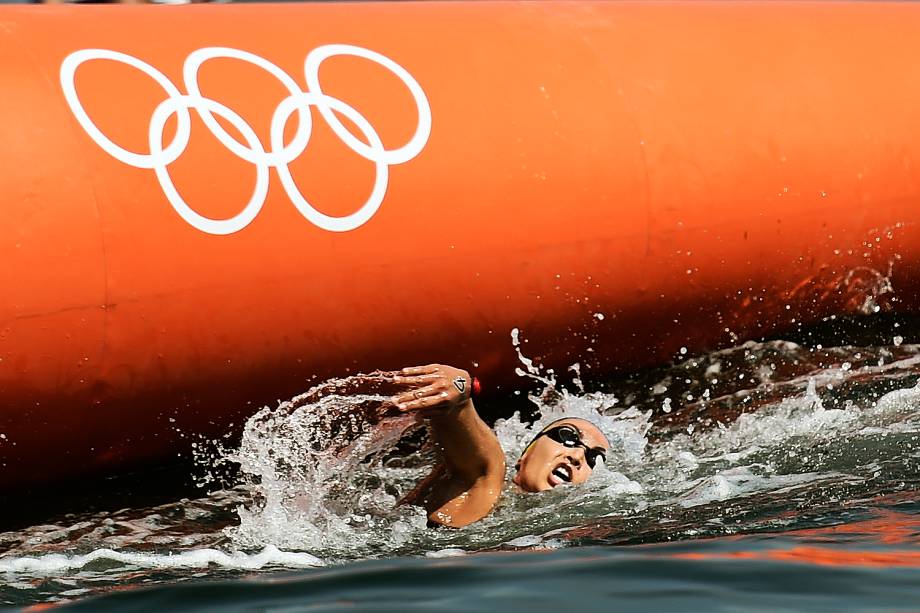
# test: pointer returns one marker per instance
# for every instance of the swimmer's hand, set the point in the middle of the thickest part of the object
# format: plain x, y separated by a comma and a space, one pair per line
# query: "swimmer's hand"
466, 485
432, 387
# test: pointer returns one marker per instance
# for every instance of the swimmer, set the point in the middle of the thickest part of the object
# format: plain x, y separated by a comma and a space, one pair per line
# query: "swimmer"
465, 486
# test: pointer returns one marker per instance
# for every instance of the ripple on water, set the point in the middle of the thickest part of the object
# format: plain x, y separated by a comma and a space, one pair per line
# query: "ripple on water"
768, 437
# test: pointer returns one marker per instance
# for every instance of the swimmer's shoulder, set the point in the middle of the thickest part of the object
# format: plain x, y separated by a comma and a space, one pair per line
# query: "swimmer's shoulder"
459, 504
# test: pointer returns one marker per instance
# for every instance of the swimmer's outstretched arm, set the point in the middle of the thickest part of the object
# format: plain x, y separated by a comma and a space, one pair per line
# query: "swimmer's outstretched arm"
469, 483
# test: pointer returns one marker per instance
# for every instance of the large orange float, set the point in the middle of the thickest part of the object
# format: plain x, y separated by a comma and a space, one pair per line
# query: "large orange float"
206, 207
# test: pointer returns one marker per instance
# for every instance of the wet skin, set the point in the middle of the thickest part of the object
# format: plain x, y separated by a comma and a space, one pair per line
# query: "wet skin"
466, 485
547, 464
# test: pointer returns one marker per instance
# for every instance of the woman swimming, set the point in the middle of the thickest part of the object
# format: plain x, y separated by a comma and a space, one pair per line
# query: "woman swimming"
465, 486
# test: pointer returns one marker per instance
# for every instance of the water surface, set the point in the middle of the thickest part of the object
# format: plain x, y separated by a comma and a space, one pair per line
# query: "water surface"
765, 477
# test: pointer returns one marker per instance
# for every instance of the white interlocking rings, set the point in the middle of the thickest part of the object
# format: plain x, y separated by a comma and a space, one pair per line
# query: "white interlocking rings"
278, 154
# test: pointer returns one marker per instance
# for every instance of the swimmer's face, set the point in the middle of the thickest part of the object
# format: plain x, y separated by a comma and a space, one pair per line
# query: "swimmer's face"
562, 453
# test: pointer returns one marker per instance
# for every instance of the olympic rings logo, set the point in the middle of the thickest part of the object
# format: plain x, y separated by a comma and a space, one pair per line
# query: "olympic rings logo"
278, 154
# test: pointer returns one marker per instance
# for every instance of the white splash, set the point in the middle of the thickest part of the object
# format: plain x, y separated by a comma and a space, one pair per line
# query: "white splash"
322, 482
199, 558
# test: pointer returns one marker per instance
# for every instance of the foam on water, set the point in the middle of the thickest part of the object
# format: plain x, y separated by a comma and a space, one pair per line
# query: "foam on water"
340, 501
198, 558
352, 513
753, 431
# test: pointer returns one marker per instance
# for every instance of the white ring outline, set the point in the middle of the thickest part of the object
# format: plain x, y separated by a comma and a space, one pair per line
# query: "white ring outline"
138, 160
370, 206
300, 101
172, 106
395, 156
190, 69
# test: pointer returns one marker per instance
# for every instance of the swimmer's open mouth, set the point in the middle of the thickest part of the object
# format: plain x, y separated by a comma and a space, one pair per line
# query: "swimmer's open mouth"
560, 474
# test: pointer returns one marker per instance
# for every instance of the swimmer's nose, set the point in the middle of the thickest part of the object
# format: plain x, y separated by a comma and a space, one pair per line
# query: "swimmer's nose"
576, 457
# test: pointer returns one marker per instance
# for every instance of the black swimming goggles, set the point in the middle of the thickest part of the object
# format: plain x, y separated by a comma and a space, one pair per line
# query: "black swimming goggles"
569, 436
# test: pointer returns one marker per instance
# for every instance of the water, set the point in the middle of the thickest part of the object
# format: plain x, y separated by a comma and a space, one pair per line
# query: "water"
765, 477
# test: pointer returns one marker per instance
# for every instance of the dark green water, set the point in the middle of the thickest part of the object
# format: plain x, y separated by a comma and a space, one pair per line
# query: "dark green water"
860, 569
767, 477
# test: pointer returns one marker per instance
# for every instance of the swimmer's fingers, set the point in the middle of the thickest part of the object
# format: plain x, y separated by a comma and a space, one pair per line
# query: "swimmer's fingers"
424, 403
429, 369
417, 380
436, 386
422, 392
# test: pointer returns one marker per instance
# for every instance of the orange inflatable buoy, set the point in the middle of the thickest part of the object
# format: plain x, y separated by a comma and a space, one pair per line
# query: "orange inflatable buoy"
206, 208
